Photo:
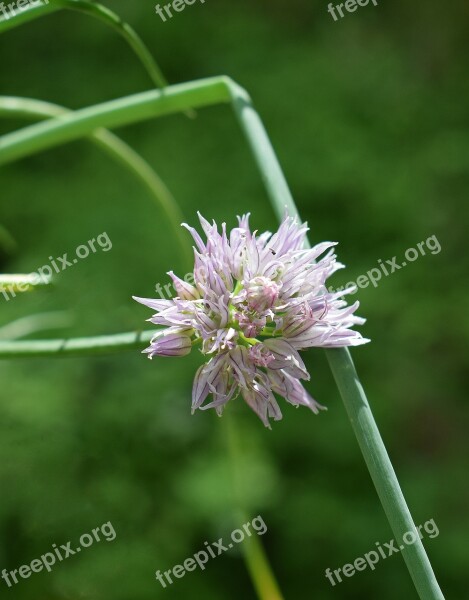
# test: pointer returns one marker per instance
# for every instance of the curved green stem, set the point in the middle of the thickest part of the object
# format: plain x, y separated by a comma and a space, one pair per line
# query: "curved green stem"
9, 21
120, 151
104, 344
98, 11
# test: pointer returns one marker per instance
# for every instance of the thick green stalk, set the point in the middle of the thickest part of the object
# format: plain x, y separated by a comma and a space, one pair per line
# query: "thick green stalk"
382, 472
203, 93
117, 149
31, 12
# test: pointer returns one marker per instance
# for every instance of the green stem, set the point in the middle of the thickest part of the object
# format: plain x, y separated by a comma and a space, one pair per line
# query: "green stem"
123, 111
351, 390
105, 344
11, 284
382, 472
258, 566
117, 149
100, 12
213, 91
255, 557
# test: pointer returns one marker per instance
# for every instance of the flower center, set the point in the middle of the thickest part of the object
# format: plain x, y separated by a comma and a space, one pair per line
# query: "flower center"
251, 308
261, 294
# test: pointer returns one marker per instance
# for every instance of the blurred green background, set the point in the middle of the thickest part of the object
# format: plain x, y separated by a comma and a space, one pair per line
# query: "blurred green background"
370, 119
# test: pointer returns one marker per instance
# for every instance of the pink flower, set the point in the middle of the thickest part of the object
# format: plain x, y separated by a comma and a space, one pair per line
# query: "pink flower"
254, 303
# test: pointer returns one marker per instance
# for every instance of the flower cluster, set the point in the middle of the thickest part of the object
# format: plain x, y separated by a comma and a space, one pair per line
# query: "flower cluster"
253, 302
